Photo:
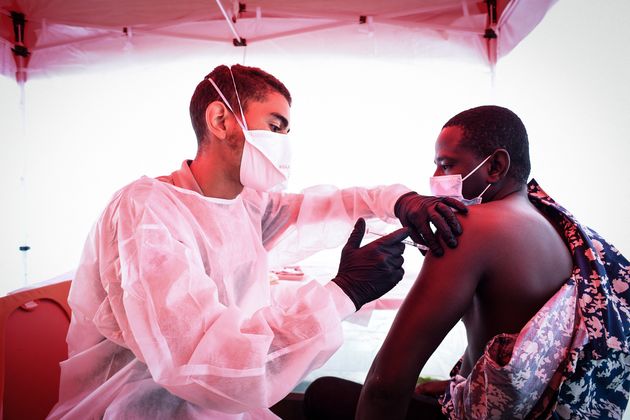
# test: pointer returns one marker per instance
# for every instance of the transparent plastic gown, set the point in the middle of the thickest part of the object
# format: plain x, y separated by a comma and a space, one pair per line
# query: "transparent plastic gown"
173, 313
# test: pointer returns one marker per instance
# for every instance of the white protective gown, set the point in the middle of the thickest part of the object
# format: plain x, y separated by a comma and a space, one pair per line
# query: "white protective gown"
173, 314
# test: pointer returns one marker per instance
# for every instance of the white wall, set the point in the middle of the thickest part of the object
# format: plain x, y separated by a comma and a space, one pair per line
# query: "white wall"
355, 121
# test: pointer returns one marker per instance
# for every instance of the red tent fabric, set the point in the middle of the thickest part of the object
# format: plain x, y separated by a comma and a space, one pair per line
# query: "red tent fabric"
44, 37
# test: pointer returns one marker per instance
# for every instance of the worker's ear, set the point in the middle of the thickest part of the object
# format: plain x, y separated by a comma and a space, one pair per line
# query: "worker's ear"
499, 166
216, 116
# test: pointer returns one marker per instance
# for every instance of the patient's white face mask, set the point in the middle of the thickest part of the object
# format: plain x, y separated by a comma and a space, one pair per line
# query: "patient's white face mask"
451, 186
266, 159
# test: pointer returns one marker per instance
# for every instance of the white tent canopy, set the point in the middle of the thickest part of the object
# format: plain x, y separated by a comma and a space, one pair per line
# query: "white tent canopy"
44, 37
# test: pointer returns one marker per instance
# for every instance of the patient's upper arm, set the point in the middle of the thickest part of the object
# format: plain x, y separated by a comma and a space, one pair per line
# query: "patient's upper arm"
442, 293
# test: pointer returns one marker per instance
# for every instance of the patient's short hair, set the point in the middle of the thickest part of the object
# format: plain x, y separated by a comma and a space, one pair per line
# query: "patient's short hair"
490, 127
252, 84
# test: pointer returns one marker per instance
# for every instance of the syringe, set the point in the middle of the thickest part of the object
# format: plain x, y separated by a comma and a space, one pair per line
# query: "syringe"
368, 231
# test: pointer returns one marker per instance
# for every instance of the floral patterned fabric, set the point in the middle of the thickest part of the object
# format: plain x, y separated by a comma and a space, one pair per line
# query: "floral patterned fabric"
572, 359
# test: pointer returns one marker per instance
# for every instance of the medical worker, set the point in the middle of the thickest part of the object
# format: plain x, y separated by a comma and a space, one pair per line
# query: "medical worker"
173, 314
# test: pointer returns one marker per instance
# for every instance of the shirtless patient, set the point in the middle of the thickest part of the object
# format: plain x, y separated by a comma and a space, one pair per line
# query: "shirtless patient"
498, 280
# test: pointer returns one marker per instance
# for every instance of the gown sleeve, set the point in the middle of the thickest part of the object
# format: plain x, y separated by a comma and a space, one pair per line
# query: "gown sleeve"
296, 226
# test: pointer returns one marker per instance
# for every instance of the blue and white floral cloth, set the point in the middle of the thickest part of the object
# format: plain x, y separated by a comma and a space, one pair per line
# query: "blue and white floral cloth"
572, 359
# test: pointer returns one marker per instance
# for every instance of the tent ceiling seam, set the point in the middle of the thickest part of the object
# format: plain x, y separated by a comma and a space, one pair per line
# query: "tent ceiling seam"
434, 26
75, 41
300, 31
507, 12
84, 25
178, 35
421, 10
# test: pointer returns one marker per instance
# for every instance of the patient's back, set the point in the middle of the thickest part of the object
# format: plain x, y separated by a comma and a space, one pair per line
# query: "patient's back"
525, 262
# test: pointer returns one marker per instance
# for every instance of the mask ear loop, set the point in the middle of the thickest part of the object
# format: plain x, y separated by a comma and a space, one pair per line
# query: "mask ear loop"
474, 170
477, 167
225, 101
484, 190
238, 98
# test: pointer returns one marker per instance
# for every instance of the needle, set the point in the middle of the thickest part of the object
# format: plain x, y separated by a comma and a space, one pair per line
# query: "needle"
405, 241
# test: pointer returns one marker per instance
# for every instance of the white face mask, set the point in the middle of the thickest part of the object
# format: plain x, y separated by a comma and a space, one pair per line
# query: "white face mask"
451, 186
266, 159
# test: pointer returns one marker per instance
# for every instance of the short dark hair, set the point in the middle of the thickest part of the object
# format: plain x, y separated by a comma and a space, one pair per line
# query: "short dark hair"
252, 84
490, 127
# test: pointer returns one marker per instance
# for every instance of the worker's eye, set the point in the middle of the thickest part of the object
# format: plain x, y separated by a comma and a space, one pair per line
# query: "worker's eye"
275, 128
445, 166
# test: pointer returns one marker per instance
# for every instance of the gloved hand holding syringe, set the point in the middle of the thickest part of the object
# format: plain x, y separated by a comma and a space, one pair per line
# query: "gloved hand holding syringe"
409, 242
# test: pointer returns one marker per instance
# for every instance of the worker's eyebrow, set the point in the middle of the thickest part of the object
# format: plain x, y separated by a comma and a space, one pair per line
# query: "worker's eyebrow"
283, 121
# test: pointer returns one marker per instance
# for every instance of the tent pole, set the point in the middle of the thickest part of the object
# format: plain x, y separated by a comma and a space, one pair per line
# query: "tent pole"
21, 54
491, 36
238, 41
24, 248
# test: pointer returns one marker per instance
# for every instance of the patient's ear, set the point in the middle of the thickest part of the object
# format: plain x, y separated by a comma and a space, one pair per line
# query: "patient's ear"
499, 166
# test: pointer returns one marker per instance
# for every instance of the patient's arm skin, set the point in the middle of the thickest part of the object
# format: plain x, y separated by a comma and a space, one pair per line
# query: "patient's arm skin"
437, 300
489, 280
434, 388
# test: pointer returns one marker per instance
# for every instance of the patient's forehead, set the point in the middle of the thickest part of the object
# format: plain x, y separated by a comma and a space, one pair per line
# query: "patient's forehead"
449, 142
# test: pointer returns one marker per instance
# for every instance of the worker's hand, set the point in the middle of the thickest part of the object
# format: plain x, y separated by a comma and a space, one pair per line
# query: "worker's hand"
366, 273
416, 211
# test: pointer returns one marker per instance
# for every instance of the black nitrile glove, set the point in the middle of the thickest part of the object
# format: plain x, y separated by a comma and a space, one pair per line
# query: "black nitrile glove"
416, 211
367, 273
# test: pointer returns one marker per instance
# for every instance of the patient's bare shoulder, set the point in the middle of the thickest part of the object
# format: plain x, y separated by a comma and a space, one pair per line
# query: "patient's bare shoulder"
492, 225
510, 221
515, 250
